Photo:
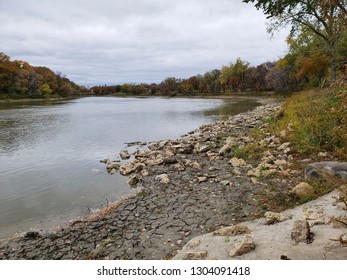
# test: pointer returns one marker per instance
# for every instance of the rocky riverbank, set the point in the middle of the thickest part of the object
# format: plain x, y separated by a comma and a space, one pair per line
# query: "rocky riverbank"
185, 188
313, 231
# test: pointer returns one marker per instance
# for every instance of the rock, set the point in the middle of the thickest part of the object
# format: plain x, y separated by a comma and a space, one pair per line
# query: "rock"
155, 160
283, 146
280, 162
343, 239
232, 230
269, 172
202, 179
32, 234
131, 167
317, 170
322, 154
170, 160
185, 149
112, 171
237, 162
300, 231
229, 142
141, 154
112, 165
254, 172
254, 180
284, 133
225, 183
124, 154
165, 181
144, 172
244, 246
303, 190
195, 256
179, 167
211, 155
195, 165
161, 177
273, 218
104, 160
193, 244
204, 149
133, 180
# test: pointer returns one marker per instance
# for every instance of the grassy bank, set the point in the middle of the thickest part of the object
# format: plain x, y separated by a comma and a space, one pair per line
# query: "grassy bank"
314, 121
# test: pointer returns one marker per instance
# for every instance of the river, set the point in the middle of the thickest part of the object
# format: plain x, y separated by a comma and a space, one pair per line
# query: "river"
50, 151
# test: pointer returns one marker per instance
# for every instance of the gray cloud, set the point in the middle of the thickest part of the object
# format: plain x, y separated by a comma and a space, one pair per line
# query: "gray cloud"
107, 42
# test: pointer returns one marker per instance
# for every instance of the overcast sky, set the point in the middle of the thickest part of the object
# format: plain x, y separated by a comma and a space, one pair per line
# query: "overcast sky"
116, 41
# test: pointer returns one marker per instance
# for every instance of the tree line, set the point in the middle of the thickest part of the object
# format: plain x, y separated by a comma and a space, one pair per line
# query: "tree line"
20, 79
317, 55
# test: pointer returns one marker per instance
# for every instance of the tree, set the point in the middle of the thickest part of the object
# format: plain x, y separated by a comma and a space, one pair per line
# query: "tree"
169, 85
4, 57
314, 67
256, 76
45, 90
326, 18
239, 70
233, 77
226, 77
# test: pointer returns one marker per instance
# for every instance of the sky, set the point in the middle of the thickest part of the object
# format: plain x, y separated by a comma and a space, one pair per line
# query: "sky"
135, 41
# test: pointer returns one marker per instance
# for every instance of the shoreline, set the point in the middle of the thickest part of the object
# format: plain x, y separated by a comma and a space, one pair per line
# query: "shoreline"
24, 100
243, 96
189, 188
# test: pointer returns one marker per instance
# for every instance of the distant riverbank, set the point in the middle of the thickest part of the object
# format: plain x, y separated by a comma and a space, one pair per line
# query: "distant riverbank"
252, 95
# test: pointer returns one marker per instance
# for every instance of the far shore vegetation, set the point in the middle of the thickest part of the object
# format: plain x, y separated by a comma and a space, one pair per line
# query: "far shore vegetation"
317, 58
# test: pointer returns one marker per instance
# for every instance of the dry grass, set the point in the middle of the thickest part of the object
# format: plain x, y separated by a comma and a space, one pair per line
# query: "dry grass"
315, 121
112, 207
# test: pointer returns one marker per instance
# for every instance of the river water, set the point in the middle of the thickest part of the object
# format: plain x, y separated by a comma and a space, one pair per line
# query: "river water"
50, 151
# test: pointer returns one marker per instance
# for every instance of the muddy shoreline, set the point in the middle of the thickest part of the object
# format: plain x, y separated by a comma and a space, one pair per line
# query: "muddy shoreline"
186, 187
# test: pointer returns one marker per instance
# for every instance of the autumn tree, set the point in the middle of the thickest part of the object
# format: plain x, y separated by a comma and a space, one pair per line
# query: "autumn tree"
256, 76
314, 68
233, 77
326, 18
20, 79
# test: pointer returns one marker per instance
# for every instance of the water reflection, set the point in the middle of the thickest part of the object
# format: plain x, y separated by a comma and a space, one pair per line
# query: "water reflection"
231, 107
28, 127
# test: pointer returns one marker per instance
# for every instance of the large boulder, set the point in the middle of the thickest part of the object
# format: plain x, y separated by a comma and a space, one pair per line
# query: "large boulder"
131, 167
300, 231
274, 218
124, 154
233, 230
303, 190
320, 170
244, 246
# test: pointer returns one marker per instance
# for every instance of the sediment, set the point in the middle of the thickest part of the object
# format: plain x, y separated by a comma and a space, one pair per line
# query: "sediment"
186, 187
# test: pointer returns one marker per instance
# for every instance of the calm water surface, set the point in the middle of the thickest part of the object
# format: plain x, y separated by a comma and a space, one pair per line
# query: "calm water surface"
50, 151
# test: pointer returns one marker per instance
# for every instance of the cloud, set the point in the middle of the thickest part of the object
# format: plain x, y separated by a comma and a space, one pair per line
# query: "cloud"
108, 42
